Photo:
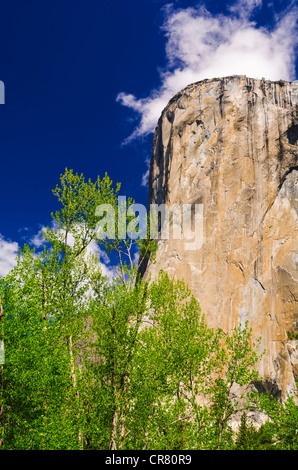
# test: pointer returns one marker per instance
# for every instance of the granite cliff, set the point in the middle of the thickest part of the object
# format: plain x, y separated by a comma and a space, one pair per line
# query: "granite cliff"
231, 145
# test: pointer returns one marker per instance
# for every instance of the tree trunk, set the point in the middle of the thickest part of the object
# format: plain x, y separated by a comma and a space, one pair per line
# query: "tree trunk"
112, 445
74, 384
1, 381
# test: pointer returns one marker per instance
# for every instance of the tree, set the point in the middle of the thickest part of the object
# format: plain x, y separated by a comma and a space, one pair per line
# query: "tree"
46, 320
186, 403
98, 363
249, 438
1, 370
283, 420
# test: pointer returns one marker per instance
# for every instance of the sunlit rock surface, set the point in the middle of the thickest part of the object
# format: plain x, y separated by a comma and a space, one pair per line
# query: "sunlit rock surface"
231, 145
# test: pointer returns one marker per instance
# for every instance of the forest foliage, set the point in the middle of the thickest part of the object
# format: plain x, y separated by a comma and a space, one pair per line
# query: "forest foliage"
93, 362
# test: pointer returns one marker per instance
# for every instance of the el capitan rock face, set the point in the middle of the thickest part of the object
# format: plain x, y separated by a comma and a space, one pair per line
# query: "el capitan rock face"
231, 144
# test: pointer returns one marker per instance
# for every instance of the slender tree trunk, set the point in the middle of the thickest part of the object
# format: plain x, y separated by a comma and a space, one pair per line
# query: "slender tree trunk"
119, 418
113, 445
72, 365
74, 384
122, 379
123, 423
44, 295
1, 380
44, 317
113, 437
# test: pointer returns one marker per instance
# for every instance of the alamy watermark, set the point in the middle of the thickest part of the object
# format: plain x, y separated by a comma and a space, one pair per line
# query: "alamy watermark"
176, 221
2, 92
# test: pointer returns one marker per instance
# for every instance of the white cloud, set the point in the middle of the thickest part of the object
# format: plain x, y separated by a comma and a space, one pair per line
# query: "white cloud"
8, 253
38, 240
136, 258
201, 46
244, 8
93, 248
145, 176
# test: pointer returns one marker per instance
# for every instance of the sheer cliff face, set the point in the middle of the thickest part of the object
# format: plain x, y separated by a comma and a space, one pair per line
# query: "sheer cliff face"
231, 144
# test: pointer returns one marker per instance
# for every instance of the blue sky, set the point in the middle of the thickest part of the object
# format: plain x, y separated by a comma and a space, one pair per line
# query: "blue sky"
85, 82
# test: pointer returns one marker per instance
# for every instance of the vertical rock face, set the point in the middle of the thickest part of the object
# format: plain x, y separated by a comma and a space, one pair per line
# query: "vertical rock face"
231, 144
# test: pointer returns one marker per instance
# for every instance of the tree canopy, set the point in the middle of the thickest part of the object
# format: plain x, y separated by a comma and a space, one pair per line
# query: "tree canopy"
93, 362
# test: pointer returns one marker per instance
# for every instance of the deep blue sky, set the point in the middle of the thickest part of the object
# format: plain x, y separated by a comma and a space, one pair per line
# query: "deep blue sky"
63, 62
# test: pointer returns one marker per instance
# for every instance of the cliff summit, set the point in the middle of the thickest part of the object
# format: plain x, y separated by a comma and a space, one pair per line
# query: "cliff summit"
231, 144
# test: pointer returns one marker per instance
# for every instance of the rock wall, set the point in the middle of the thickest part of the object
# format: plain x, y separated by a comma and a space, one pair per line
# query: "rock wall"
231, 144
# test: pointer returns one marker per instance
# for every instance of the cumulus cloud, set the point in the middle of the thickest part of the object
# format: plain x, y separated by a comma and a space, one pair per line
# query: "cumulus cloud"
244, 8
93, 248
38, 239
200, 45
9, 251
145, 176
106, 269
8, 254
